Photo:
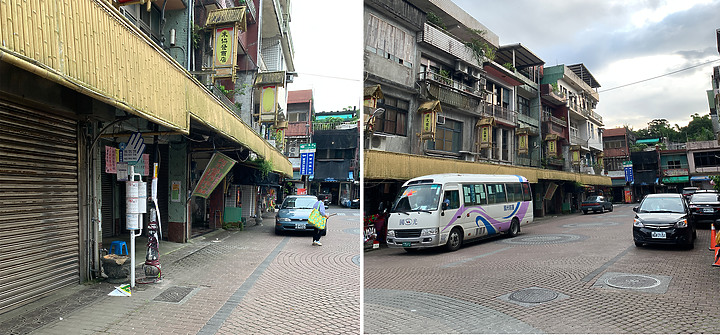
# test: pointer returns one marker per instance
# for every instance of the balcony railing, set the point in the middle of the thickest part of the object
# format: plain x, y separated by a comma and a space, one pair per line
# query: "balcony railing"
675, 171
501, 113
443, 41
556, 97
450, 91
533, 121
334, 125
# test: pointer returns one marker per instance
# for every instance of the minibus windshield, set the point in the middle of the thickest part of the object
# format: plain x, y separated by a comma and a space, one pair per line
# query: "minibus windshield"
424, 197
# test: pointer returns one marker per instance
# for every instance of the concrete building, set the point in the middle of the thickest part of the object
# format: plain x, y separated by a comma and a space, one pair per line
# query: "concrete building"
443, 95
69, 104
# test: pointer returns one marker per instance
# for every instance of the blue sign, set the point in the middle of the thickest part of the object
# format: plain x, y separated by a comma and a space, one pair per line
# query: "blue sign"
628, 172
307, 163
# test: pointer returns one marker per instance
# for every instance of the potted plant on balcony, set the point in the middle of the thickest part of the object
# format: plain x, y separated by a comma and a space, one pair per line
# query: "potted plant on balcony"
445, 77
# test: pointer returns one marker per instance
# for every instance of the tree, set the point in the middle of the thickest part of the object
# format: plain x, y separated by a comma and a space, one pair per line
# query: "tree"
699, 129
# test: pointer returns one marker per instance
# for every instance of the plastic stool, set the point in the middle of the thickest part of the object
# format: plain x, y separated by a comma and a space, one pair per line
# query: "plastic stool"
118, 247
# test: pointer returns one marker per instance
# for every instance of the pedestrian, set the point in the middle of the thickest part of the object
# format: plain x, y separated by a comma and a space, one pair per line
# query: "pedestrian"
317, 233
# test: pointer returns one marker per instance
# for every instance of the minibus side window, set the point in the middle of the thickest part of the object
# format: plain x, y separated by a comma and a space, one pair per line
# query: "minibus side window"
480, 195
527, 196
452, 198
468, 195
514, 192
496, 193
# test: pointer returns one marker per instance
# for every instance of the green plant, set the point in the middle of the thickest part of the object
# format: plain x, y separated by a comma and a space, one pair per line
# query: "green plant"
436, 20
509, 66
555, 87
479, 48
196, 34
264, 166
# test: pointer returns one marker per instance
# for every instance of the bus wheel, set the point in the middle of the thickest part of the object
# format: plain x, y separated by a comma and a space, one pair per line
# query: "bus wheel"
454, 240
514, 228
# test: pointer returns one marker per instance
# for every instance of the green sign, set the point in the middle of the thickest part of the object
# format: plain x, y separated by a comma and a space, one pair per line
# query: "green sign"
217, 168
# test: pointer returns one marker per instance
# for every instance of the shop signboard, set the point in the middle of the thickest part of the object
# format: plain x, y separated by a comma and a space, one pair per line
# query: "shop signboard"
217, 168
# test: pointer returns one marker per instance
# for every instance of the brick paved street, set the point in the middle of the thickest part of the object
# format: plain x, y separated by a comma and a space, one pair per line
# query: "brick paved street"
569, 274
233, 282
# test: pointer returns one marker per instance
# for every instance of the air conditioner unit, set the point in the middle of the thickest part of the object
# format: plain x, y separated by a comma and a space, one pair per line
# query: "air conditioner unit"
440, 119
293, 151
461, 67
378, 143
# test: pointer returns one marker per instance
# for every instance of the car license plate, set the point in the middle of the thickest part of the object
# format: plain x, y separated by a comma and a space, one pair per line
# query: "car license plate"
300, 226
407, 244
658, 234
707, 210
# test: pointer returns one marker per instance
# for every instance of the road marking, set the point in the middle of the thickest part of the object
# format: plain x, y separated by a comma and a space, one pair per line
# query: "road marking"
474, 258
597, 271
217, 320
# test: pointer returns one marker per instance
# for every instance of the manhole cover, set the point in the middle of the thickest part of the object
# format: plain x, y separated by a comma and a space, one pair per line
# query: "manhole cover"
174, 294
545, 239
632, 281
534, 295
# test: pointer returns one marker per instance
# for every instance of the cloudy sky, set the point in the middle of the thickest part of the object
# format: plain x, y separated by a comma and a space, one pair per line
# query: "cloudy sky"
327, 35
620, 42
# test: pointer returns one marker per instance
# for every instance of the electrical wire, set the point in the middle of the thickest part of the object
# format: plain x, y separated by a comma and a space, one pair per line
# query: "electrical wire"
660, 76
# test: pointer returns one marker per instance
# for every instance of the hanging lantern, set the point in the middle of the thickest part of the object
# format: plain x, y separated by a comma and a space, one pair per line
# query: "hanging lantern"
575, 154
551, 140
429, 111
485, 126
523, 141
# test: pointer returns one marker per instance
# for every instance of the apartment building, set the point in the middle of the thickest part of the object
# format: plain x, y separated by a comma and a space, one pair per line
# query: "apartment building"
443, 95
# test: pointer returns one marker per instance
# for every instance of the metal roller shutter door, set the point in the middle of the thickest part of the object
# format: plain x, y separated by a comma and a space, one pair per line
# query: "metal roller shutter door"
39, 211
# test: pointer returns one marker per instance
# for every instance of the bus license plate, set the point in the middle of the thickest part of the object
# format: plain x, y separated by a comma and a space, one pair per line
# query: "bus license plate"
658, 234
407, 244
300, 226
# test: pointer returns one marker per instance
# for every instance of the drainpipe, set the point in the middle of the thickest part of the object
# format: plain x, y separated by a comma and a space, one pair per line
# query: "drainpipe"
191, 7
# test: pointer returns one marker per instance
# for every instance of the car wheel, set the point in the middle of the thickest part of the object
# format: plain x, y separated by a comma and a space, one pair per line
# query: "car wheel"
278, 232
638, 244
454, 240
514, 228
611, 207
585, 211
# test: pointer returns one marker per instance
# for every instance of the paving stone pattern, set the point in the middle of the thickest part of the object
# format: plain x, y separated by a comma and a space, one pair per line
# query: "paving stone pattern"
544, 256
302, 289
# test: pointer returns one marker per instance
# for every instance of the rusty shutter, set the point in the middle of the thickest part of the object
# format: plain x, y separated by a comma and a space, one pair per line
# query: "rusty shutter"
39, 241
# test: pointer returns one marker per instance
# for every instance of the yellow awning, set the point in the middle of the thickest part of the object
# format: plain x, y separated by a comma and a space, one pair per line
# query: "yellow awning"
394, 166
140, 78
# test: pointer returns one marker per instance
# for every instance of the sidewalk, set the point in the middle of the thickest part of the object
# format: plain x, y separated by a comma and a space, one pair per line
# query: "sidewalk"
232, 282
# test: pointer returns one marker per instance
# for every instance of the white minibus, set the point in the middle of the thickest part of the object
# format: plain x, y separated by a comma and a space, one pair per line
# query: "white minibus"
448, 209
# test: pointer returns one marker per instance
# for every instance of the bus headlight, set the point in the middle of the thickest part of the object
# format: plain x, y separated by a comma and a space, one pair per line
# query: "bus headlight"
391, 233
429, 231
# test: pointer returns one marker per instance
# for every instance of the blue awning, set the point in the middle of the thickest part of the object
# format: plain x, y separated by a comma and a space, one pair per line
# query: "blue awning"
699, 178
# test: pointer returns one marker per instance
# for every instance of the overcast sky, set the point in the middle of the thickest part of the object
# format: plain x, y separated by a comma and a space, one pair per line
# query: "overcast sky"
327, 36
620, 42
